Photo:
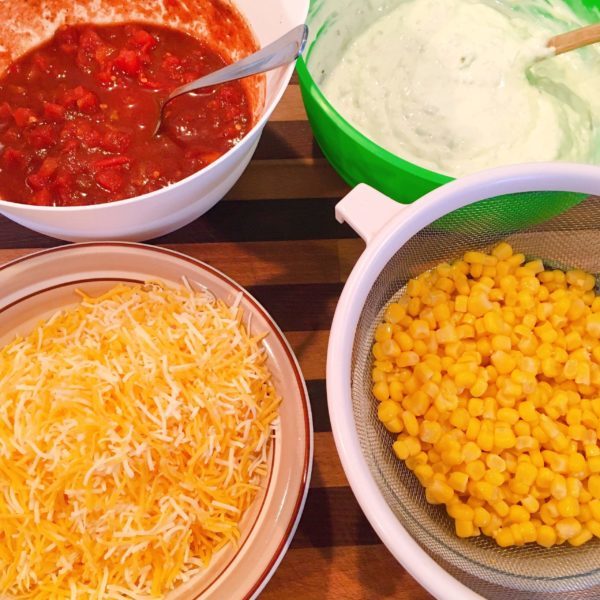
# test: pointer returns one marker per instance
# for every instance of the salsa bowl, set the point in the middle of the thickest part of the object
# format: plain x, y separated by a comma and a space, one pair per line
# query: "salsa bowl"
164, 210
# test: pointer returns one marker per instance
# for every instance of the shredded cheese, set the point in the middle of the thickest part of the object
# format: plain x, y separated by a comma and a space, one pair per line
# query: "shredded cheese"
133, 436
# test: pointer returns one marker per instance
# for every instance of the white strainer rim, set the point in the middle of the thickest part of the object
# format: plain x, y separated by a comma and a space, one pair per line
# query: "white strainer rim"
385, 226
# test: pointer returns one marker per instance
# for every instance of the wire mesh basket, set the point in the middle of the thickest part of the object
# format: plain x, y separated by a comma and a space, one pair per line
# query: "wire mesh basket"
441, 227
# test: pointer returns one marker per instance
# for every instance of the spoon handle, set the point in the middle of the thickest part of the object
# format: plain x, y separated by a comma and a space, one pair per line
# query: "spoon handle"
281, 52
577, 38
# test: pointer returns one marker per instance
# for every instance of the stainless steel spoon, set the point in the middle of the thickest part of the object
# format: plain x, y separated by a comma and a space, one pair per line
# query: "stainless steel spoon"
281, 52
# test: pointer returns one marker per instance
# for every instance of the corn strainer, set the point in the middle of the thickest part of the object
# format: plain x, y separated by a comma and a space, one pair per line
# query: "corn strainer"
403, 241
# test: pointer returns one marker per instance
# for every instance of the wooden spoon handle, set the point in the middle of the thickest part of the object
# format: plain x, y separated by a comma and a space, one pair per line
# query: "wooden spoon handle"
577, 38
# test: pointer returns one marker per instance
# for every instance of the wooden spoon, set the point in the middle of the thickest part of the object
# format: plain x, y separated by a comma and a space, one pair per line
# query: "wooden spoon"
578, 38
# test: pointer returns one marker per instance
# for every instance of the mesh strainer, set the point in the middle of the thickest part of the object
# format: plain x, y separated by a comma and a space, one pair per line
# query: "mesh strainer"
403, 241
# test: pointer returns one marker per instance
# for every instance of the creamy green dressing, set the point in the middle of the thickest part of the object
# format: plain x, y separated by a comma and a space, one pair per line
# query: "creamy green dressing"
454, 86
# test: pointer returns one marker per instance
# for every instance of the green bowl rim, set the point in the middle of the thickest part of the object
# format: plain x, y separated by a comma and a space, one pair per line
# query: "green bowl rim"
306, 80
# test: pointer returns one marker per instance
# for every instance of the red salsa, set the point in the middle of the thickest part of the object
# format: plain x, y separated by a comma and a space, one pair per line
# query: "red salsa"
77, 115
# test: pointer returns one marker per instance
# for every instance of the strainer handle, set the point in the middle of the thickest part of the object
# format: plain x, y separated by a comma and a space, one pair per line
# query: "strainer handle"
367, 211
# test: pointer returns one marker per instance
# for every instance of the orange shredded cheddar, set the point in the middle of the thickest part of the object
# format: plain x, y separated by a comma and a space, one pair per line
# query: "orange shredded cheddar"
134, 433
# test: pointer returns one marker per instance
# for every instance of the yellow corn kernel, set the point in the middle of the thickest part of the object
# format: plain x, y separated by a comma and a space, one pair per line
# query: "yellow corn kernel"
442, 312
568, 507
501, 508
460, 511
501, 343
383, 332
530, 504
585, 535
593, 485
394, 425
461, 304
475, 470
407, 359
396, 391
507, 415
439, 492
504, 437
403, 340
546, 536
593, 463
465, 529
388, 410
458, 480
503, 362
494, 477
465, 378
481, 517
411, 424
528, 532
568, 528
486, 438
517, 514
504, 537
401, 449
487, 491
424, 473
414, 307
430, 431
592, 325
394, 313
502, 251
381, 391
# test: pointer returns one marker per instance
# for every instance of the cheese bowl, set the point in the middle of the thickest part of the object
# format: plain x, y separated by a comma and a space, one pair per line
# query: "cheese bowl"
23, 25
38, 285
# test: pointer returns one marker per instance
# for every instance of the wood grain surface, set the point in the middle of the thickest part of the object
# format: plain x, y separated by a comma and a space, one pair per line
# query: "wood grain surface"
276, 234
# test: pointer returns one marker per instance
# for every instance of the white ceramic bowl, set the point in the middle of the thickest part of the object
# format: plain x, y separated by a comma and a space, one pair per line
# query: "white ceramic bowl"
172, 207
34, 287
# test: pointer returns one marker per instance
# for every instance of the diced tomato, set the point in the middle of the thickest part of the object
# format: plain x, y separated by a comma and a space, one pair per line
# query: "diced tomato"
82, 132
5, 111
67, 35
88, 103
69, 48
54, 111
144, 40
172, 65
90, 40
89, 43
115, 141
48, 167
150, 84
13, 157
41, 136
109, 179
23, 116
103, 53
42, 62
70, 146
111, 162
129, 62
82, 99
42, 197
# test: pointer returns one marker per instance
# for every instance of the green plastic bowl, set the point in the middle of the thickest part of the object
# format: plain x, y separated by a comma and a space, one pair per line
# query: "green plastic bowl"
360, 160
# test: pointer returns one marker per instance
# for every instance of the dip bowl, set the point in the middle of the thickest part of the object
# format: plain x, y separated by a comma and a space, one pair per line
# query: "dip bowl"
23, 26
357, 158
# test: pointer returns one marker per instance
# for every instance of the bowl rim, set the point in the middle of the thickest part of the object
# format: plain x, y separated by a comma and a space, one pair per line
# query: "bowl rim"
307, 423
248, 139
308, 83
